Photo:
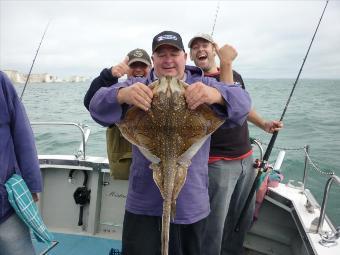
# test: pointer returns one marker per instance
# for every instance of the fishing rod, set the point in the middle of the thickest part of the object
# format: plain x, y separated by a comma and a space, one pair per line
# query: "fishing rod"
36, 54
217, 9
262, 167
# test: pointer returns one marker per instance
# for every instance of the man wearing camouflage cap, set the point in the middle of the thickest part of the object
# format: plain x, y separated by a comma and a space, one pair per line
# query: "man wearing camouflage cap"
137, 63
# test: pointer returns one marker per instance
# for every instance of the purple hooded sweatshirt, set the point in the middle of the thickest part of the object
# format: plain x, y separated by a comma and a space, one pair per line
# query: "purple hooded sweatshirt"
17, 147
143, 196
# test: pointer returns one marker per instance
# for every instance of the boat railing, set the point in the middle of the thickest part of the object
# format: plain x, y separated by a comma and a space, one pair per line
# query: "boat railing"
327, 238
259, 146
302, 185
308, 161
85, 133
335, 234
305, 169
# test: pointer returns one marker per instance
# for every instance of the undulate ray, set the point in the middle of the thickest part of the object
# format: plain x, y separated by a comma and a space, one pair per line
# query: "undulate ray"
169, 135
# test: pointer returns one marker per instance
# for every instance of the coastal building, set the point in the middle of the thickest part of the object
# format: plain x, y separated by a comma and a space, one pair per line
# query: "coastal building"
77, 78
15, 76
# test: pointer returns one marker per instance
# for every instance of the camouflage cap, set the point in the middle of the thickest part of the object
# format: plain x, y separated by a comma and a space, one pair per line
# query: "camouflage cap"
139, 55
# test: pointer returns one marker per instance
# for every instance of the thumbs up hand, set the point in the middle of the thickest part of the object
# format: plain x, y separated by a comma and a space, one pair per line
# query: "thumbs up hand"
121, 69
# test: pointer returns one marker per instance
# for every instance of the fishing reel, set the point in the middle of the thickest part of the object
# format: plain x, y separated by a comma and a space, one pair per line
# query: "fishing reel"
265, 166
262, 165
81, 195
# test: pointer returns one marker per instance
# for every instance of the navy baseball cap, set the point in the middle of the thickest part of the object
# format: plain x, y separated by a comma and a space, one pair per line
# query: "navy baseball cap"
167, 38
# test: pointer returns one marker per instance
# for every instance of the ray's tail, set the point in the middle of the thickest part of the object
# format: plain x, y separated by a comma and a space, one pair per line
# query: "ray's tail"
166, 226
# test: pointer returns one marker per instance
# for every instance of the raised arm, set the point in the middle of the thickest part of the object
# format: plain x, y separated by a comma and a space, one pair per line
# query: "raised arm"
107, 77
226, 54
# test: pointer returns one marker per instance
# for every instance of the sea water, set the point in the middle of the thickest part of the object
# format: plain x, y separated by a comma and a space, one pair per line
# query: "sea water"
312, 118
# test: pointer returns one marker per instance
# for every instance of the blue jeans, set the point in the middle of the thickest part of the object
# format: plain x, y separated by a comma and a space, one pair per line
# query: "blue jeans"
15, 238
229, 185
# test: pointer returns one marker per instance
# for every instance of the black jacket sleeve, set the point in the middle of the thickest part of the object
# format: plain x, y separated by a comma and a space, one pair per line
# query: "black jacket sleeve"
238, 78
105, 79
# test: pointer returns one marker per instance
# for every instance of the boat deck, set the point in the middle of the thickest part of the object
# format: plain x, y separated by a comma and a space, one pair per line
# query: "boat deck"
71, 244
285, 225
308, 218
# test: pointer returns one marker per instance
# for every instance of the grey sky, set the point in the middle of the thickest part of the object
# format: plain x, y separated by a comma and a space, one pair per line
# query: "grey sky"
271, 37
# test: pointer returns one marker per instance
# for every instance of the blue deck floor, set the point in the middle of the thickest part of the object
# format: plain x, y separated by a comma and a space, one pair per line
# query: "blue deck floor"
79, 245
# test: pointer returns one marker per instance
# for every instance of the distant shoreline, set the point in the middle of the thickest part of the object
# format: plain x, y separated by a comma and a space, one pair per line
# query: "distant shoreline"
17, 77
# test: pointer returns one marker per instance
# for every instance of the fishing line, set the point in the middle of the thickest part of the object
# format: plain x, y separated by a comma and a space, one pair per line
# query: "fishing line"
266, 156
217, 9
36, 54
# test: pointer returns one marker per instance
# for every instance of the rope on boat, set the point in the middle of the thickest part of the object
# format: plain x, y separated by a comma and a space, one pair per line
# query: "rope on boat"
312, 163
283, 148
216, 14
316, 168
